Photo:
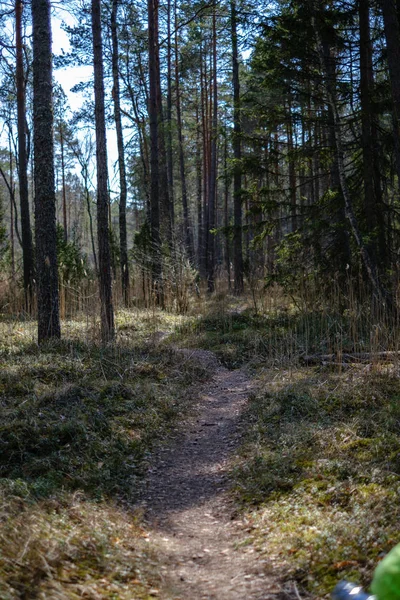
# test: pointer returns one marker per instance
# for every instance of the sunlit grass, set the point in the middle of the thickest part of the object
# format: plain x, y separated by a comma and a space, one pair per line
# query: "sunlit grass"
319, 476
78, 425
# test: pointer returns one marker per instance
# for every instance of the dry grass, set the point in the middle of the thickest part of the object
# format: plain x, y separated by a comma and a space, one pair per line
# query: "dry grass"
319, 477
69, 547
78, 425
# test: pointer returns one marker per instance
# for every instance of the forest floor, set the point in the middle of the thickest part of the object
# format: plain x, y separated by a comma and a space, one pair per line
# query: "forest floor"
196, 458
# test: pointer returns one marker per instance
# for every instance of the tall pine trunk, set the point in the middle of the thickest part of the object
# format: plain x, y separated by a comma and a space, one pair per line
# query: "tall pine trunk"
204, 130
26, 233
123, 245
237, 156
163, 190
212, 190
170, 169
103, 201
186, 220
45, 198
156, 258
64, 191
373, 206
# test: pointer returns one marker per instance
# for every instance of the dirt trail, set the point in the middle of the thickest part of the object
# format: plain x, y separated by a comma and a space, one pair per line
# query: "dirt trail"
201, 542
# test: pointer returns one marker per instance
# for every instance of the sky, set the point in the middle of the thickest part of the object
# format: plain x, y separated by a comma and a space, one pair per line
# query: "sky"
70, 76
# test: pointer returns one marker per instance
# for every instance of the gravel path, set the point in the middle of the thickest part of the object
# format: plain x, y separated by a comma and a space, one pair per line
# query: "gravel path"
200, 540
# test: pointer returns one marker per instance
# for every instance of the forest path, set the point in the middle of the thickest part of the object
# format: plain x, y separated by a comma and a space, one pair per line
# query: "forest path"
200, 541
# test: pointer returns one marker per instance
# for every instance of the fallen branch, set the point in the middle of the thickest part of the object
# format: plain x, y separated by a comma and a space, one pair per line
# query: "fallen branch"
317, 359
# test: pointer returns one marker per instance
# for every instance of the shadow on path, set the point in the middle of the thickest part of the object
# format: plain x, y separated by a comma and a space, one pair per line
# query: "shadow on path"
189, 509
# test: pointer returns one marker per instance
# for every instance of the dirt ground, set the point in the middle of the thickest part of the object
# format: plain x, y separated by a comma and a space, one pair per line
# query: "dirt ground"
201, 540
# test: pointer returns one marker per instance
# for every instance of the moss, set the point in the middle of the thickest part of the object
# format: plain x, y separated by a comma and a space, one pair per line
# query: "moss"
77, 426
321, 462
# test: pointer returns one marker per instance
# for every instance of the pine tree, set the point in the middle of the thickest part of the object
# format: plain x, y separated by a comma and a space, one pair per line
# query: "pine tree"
45, 209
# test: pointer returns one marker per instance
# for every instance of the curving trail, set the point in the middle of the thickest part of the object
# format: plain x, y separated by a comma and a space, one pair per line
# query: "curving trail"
191, 519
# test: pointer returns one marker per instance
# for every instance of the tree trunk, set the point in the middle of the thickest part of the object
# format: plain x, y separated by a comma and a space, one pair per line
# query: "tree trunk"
45, 198
372, 185
204, 128
26, 232
170, 169
64, 191
212, 191
343, 251
156, 268
292, 172
12, 236
237, 156
186, 220
199, 187
123, 245
163, 191
103, 201
226, 212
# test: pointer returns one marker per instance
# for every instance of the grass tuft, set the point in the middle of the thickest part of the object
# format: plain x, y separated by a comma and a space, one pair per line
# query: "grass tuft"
319, 476
78, 425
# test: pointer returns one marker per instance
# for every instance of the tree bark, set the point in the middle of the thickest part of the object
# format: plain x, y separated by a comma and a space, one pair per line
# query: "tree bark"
237, 156
226, 212
186, 220
204, 124
64, 191
26, 232
373, 206
12, 236
199, 176
45, 199
123, 244
212, 191
292, 171
152, 6
163, 191
103, 201
170, 169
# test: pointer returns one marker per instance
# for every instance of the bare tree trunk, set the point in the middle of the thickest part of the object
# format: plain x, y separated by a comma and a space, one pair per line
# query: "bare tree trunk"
123, 244
156, 269
292, 172
199, 176
45, 198
213, 167
103, 200
237, 156
64, 192
26, 233
204, 123
372, 185
226, 212
12, 236
163, 191
170, 169
185, 207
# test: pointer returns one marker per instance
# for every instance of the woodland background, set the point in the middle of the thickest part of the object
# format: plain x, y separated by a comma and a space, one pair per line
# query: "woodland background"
253, 211
256, 142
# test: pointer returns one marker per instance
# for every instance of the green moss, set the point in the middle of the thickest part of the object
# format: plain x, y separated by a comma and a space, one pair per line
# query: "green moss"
77, 425
322, 463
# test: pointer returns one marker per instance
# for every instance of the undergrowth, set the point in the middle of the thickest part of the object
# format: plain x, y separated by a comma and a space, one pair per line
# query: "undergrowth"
78, 424
239, 336
319, 475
